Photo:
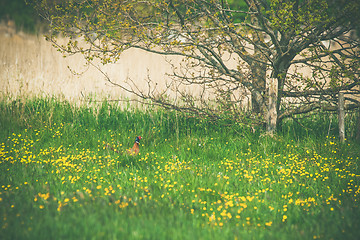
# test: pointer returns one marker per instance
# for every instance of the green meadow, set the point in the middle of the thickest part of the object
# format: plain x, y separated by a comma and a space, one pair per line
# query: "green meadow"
193, 179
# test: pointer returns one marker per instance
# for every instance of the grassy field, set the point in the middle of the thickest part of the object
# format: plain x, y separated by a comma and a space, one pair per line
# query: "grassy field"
193, 179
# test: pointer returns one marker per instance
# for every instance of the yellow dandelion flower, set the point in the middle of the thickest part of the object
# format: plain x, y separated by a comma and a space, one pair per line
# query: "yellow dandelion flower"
268, 224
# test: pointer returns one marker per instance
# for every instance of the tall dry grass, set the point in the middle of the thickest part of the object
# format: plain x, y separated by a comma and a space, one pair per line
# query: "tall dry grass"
30, 66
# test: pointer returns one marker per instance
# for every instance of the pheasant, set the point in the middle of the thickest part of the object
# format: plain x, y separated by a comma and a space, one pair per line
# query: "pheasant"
131, 151
135, 149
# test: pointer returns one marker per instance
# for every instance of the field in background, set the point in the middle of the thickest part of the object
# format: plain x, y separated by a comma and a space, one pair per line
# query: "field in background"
193, 180
30, 66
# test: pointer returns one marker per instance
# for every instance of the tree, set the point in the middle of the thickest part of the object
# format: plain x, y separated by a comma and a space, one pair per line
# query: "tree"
271, 42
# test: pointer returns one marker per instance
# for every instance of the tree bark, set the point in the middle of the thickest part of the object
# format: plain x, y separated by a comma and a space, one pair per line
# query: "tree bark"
341, 117
259, 82
272, 105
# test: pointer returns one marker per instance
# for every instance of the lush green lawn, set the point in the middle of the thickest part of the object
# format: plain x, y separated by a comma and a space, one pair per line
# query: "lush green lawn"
193, 179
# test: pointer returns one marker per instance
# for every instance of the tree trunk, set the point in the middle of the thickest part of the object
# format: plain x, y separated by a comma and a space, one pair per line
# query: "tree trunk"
271, 118
341, 117
259, 82
275, 86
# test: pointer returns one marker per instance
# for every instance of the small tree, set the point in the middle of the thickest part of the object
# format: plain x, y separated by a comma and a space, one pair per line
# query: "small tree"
270, 41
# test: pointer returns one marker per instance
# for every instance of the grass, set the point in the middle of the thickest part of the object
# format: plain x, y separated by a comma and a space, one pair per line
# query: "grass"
193, 179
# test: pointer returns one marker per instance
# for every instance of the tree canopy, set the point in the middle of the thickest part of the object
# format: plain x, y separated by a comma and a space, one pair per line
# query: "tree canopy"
271, 42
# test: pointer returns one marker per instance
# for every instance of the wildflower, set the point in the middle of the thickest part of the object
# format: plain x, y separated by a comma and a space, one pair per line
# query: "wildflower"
268, 224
